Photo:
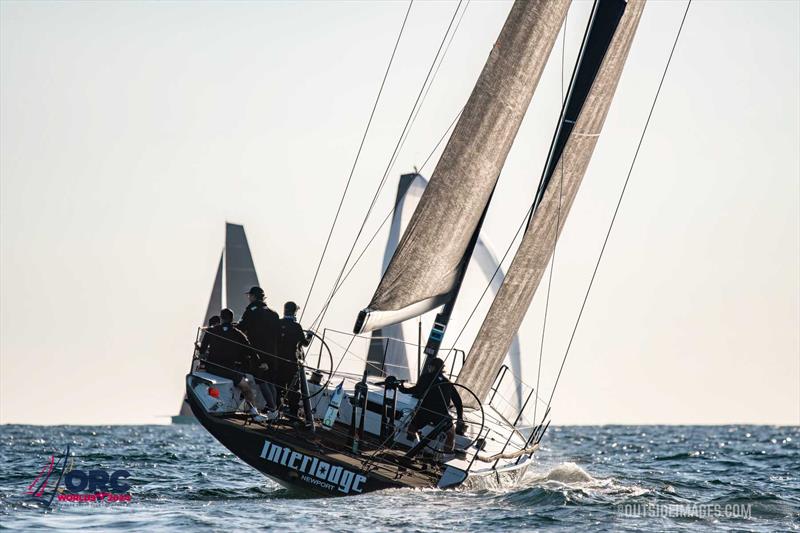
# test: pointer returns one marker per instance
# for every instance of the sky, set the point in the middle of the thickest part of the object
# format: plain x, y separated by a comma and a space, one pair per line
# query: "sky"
131, 131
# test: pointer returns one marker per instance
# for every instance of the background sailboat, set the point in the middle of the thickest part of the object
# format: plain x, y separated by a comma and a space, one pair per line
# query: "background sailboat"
236, 273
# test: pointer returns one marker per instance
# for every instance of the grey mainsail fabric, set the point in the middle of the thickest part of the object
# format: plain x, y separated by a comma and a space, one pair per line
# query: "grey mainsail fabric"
393, 349
240, 273
427, 262
528, 266
215, 301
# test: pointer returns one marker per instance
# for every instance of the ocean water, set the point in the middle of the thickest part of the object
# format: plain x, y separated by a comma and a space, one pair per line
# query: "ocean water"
591, 478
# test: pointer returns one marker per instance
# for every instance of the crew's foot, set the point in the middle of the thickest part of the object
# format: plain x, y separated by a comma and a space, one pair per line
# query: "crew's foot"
256, 416
270, 414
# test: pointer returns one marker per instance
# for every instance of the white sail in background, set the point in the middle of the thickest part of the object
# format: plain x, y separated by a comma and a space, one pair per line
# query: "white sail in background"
427, 265
240, 272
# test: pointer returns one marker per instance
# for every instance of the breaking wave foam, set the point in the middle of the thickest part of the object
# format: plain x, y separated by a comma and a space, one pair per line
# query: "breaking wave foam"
570, 477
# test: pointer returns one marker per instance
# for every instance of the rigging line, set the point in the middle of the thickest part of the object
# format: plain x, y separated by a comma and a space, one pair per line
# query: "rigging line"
491, 279
398, 146
390, 213
388, 166
619, 201
355, 161
435, 73
558, 225
439, 142
333, 372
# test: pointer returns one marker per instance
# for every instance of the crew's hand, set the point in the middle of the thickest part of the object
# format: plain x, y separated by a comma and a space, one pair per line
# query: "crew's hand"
309, 335
461, 427
263, 366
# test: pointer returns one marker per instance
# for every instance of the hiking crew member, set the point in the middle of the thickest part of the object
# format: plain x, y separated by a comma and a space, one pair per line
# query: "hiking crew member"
289, 339
230, 356
436, 394
260, 324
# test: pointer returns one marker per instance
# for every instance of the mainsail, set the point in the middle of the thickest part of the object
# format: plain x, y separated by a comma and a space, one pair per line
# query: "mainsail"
240, 273
592, 88
393, 349
427, 266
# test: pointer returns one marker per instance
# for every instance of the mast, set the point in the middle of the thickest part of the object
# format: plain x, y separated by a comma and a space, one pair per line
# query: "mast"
428, 266
603, 54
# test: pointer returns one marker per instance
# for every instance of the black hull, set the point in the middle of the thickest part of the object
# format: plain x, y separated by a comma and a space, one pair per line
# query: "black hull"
290, 459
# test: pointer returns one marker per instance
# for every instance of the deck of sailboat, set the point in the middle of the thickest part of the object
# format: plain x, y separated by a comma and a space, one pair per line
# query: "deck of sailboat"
383, 461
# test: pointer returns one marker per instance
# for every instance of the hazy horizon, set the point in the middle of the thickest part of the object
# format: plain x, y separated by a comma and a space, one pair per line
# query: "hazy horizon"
131, 131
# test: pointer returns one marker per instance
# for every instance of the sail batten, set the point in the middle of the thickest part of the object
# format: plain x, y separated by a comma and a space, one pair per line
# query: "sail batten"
426, 267
554, 202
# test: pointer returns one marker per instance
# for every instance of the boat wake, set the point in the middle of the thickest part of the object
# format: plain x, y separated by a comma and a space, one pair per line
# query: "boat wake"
569, 483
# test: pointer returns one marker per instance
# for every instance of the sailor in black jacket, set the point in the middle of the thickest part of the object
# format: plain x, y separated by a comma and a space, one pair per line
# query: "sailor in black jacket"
435, 394
290, 338
260, 324
230, 356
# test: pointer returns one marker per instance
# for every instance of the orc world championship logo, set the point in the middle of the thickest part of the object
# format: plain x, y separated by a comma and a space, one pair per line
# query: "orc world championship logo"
59, 480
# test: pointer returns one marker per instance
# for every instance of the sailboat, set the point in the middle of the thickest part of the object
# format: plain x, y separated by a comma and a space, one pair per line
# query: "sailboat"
363, 445
236, 273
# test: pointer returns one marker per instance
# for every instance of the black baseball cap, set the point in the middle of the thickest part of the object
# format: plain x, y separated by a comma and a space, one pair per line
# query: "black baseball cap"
256, 291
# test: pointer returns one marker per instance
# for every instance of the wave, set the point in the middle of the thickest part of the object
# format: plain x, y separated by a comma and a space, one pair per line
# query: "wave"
569, 483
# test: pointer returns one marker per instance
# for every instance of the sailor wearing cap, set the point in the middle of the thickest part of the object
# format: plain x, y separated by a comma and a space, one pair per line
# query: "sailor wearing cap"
260, 324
